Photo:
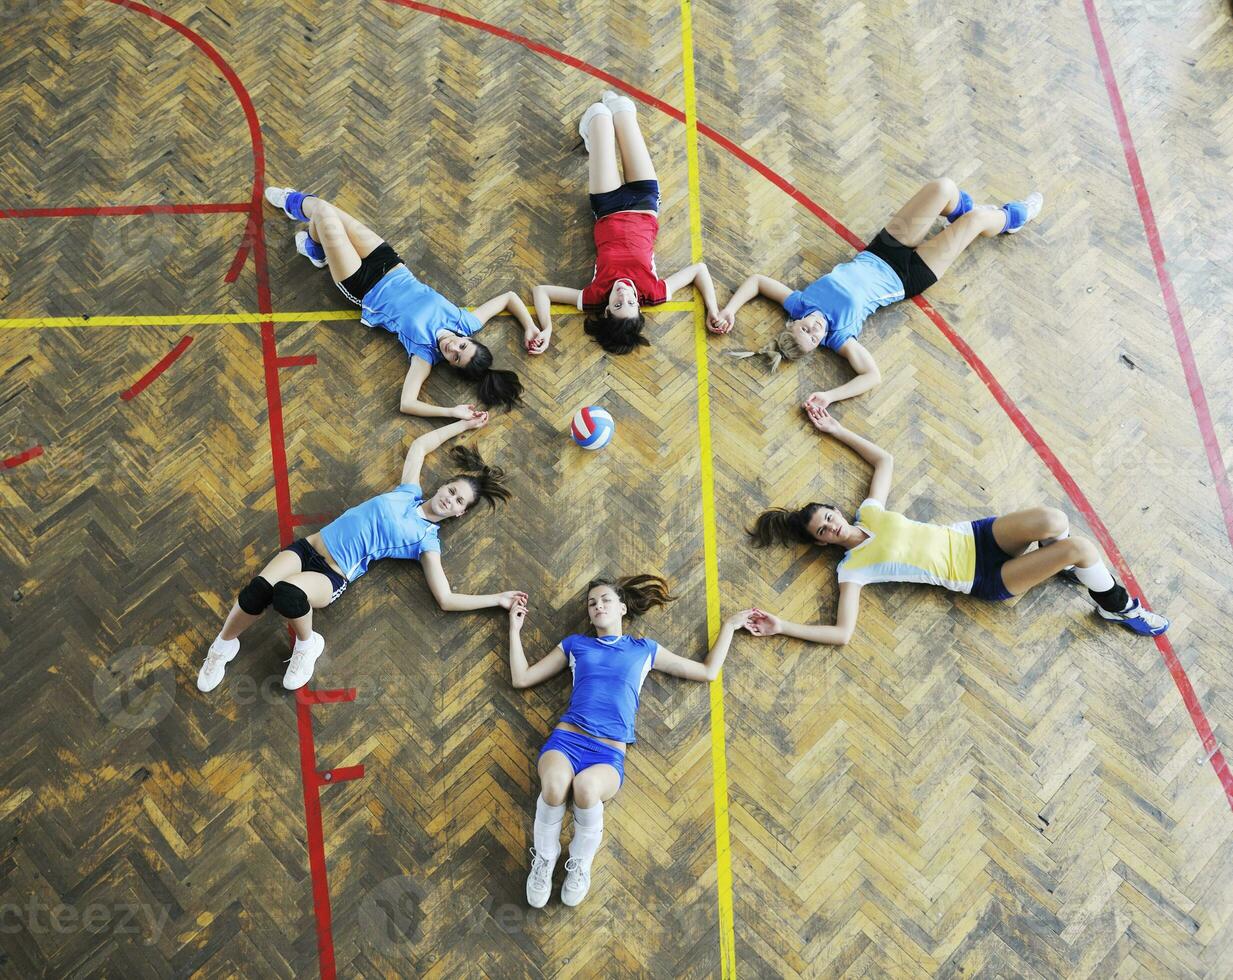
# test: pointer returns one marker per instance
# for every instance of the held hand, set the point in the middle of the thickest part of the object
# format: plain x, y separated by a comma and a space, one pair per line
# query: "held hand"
817, 400
722, 322
822, 420
465, 411
517, 616
508, 600
476, 421
738, 620
763, 623
537, 340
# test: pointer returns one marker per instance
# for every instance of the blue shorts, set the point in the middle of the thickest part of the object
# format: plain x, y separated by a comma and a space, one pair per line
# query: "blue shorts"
987, 583
583, 751
637, 195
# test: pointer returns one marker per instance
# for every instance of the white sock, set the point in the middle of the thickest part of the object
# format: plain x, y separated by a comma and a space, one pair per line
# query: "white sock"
548, 828
588, 832
1095, 577
226, 647
303, 645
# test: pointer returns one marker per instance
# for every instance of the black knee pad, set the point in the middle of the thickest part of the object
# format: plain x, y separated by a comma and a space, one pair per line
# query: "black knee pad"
255, 598
290, 601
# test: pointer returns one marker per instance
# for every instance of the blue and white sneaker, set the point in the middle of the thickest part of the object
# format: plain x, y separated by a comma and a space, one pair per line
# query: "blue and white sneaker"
1019, 213
289, 201
311, 250
1137, 619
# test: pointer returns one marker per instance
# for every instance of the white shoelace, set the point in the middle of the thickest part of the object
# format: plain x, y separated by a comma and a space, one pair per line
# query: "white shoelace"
577, 872
539, 871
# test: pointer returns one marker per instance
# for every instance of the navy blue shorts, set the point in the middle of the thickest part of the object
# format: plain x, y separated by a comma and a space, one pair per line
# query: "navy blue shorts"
311, 560
637, 195
990, 558
583, 751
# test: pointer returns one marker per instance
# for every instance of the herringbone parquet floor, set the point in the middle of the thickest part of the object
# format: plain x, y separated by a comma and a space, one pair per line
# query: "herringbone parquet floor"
962, 790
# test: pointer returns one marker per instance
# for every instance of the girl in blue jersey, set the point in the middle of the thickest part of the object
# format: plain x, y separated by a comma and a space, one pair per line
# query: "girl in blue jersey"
432, 329
586, 751
403, 523
898, 264
986, 558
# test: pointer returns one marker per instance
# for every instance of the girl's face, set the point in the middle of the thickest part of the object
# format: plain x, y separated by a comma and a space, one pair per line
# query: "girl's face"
827, 526
809, 332
623, 300
452, 500
458, 351
605, 609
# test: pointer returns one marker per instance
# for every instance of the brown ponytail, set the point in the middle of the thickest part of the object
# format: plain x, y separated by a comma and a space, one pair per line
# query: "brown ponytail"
640, 593
493, 388
488, 482
779, 525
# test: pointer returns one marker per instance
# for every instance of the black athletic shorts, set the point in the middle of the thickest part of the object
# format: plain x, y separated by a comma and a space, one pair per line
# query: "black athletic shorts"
911, 269
372, 270
311, 560
636, 195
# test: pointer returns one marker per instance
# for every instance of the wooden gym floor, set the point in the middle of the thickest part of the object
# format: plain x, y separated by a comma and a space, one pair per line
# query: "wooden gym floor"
963, 790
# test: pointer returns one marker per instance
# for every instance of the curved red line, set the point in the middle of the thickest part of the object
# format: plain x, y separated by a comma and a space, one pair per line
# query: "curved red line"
167, 360
1034, 439
9, 462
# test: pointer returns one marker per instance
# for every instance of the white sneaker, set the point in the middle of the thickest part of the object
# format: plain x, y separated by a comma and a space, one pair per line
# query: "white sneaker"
310, 249
303, 657
593, 110
211, 673
278, 197
618, 103
1032, 205
539, 881
577, 881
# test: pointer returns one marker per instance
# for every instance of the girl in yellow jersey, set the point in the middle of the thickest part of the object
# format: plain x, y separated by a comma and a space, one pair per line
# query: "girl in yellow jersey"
986, 558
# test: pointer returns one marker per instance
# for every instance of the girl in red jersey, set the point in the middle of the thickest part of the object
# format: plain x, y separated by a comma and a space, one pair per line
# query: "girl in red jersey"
626, 223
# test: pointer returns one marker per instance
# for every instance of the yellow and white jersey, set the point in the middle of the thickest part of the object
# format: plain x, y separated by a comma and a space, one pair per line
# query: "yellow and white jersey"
902, 550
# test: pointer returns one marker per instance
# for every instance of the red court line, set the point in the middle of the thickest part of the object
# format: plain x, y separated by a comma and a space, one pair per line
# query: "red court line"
123, 209
233, 272
1181, 337
20, 458
298, 360
158, 369
254, 241
1193, 707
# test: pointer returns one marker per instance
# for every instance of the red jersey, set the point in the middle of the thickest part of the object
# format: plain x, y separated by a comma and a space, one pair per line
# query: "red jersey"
625, 249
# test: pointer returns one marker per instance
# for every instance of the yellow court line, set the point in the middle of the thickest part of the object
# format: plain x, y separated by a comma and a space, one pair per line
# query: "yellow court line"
206, 319
719, 763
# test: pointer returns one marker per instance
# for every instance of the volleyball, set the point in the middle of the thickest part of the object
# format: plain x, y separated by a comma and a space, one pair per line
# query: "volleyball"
592, 427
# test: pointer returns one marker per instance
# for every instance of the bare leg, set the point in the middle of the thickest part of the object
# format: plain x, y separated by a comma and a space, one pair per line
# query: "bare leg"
346, 241
556, 776
596, 784
1014, 532
602, 173
319, 589
948, 244
635, 158
1022, 573
912, 222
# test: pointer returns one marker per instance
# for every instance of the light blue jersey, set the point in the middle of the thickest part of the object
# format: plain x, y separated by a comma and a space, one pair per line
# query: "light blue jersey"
417, 313
385, 526
846, 296
608, 674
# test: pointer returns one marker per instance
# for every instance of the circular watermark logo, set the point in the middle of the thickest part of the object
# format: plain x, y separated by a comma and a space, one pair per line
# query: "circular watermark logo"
135, 688
391, 916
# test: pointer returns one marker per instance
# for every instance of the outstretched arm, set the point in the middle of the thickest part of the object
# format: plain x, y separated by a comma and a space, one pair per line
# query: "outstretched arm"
708, 669
698, 275
512, 303
755, 285
520, 672
452, 601
765, 624
412, 404
867, 376
883, 463
544, 296
430, 441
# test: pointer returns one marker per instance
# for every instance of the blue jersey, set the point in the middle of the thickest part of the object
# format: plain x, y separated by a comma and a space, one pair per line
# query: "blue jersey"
417, 313
608, 674
386, 526
846, 296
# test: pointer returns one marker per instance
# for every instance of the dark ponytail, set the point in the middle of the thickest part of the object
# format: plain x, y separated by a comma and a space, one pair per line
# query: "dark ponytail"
488, 482
640, 593
617, 335
499, 388
782, 526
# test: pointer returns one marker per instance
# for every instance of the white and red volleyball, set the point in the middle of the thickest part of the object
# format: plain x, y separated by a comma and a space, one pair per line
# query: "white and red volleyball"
592, 427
